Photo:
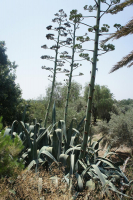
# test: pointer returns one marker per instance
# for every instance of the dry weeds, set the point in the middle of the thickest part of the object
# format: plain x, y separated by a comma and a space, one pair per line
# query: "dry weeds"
40, 186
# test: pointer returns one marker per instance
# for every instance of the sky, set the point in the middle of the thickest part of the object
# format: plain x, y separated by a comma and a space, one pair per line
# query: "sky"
23, 28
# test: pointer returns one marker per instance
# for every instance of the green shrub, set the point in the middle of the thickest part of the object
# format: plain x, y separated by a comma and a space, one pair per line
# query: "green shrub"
119, 130
9, 151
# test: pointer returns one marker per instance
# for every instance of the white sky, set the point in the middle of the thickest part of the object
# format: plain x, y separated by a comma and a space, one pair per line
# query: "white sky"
23, 28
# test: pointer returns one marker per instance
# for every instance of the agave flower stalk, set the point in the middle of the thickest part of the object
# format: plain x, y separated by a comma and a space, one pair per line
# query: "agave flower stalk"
76, 19
53, 82
91, 87
70, 76
58, 19
104, 49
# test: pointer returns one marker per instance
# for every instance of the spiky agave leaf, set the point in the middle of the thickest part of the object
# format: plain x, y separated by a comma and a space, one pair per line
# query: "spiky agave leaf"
45, 151
80, 182
62, 126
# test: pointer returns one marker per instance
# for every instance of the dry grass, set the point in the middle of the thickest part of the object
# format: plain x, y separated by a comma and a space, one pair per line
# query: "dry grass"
28, 184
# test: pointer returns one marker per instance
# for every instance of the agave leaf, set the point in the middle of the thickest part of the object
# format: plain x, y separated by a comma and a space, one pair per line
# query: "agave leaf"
72, 141
45, 139
50, 140
82, 164
80, 182
32, 163
12, 128
92, 175
7, 131
41, 150
115, 178
75, 138
56, 144
85, 171
41, 131
110, 153
20, 127
95, 145
103, 174
40, 160
100, 139
52, 128
27, 134
31, 135
22, 136
65, 160
87, 159
96, 151
49, 155
125, 178
75, 132
107, 151
108, 172
27, 126
101, 177
42, 134
113, 153
107, 162
62, 126
72, 163
73, 149
34, 121
31, 128
91, 148
80, 124
59, 134
69, 134
90, 185
66, 178
24, 155
130, 182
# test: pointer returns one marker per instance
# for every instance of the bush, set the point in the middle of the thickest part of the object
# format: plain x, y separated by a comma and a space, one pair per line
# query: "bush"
119, 130
9, 151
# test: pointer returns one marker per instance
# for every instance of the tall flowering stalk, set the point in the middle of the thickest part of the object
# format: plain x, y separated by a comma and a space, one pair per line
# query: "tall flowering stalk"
56, 47
70, 76
53, 82
76, 19
91, 86
104, 48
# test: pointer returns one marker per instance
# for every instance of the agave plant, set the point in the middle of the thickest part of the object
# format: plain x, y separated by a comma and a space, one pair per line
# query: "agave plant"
56, 144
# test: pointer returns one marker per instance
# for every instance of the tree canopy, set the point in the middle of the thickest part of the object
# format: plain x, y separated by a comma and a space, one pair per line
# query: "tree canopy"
102, 102
10, 94
60, 92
